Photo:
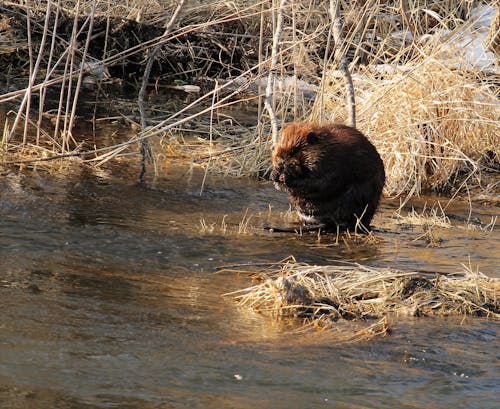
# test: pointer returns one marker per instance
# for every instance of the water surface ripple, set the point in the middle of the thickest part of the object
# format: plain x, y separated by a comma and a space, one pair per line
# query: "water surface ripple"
109, 300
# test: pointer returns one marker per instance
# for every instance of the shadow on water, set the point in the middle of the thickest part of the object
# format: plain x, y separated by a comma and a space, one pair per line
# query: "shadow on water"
109, 299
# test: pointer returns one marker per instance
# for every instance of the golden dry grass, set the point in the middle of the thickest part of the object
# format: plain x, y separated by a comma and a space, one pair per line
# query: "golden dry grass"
348, 291
431, 123
435, 123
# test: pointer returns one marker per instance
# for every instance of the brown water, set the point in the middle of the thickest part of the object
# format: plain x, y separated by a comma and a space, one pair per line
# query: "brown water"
109, 299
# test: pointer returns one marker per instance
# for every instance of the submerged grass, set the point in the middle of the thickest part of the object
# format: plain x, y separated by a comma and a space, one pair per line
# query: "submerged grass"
322, 295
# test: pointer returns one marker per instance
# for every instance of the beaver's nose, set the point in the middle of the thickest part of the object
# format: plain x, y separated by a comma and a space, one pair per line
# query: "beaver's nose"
277, 173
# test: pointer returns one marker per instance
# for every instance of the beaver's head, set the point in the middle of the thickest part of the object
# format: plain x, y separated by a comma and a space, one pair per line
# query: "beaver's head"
296, 155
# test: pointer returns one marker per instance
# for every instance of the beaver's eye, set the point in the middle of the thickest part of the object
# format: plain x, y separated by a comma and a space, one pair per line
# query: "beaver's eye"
293, 151
311, 137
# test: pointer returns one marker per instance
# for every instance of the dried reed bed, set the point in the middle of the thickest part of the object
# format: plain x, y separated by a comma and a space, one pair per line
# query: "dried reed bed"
437, 129
435, 122
435, 125
433, 115
348, 291
236, 152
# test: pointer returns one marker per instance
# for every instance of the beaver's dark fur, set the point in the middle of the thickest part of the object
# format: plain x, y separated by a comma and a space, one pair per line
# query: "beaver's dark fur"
332, 173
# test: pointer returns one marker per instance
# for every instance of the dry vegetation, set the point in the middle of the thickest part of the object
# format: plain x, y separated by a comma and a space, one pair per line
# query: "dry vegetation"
432, 114
325, 294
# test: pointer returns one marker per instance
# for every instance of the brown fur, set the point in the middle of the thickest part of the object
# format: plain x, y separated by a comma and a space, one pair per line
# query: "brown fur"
333, 175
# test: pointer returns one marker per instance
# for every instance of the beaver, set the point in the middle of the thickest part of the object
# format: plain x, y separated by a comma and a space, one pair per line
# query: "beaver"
332, 173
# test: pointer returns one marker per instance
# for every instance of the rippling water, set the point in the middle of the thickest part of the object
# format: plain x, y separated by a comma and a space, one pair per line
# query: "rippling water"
109, 299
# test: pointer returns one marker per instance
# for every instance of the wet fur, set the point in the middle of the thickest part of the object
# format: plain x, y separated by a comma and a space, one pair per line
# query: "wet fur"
333, 175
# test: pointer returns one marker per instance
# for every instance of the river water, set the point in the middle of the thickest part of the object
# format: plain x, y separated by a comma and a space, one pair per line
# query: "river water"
109, 298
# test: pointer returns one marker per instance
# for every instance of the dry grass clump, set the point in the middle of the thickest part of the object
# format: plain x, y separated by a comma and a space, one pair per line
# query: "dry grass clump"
352, 292
241, 160
435, 124
434, 216
147, 11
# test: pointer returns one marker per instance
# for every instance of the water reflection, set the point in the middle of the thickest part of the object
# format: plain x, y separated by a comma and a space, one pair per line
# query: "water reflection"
109, 299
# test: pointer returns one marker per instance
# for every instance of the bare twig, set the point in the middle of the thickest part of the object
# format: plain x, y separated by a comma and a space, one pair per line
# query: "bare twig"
145, 148
73, 46
269, 101
80, 74
49, 62
338, 37
33, 71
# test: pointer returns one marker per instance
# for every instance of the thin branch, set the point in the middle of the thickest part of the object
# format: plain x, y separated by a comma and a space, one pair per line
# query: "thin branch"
145, 148
33, 70
271, 79
83, 62
115, 58
149, 64
164, 125
43, 90
341, 59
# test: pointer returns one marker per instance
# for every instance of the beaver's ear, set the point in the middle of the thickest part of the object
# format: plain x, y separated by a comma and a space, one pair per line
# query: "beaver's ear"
311, 138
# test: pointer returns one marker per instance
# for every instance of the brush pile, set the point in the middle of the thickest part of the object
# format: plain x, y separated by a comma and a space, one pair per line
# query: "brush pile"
323, 294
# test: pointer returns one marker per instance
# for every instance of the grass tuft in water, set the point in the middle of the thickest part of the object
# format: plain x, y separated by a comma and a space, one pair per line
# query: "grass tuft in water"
323, 295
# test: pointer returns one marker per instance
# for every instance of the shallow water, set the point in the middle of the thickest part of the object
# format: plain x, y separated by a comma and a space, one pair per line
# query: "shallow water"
109, 299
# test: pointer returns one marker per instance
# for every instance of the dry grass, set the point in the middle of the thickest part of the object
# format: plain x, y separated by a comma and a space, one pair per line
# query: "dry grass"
434, 118
435, 123
434, 216
243, 227
434, 126
324, 294
233, 151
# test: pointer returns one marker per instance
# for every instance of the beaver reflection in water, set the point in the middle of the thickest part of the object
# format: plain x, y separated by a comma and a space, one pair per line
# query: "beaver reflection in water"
333, 175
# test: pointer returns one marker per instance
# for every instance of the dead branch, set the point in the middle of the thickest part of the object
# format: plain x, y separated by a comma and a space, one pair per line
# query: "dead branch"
145, 148
341, 59
271, 79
